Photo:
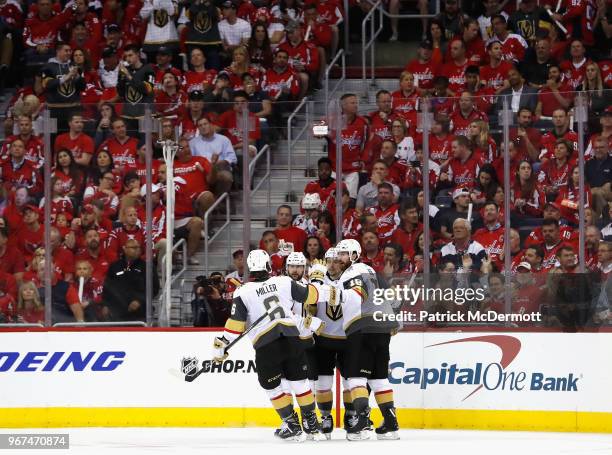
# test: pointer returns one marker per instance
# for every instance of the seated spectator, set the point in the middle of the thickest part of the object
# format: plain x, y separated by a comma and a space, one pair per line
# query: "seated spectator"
554, 94
551, 243
281, 82
230, 123
535, 66
483, 98
604, 257
94, 254
527, 140
8, 298
447, 218
106, 114
405, 101
169, 98
408, 230
121, 147
394, 261
519, 95
440, 143
234, 31
69, 174
34, 147
91, 295
163, 65
104, 192
286, 11
59, 203
466, 254
259, 103
217, 150
423, 67
555, 173
560, 130
351, 219
513, 45
30, 308
91, 218
464, 115
303, 57
386, 212
270, 243
65, 304
313, 249
396, 167
167, 126
400, 134
598, 172
260, 48
574, 68
368, 193
413, 179
455, 66
495, 74
598, 99
372, 255
103, 163
11, 259
285, 231
482, 143
158, 220
218, 99
526, 196
124, 292
381, 119
129, 229
568, 198
17, 171
486, 186
463, 167
325, 186
31, 235
130, 196
491, 236
240, 66
323, 34
199, 78
326, 231
188, 123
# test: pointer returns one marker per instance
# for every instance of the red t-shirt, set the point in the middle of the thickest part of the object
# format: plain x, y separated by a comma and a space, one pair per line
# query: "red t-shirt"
81, 144
229, 123
353, 137
424, 73
294, 235
494, 77
12, 261
124, 154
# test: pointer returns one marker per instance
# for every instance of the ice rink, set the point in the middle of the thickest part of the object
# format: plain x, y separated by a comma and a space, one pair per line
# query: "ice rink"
186, 441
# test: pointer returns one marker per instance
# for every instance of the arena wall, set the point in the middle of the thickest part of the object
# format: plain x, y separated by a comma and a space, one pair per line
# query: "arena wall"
452, 379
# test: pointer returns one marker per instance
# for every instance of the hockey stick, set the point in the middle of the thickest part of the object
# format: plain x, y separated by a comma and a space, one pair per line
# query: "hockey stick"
191, 377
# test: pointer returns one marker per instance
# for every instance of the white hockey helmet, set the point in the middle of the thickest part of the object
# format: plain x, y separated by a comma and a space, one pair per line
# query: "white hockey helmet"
331, 253
311, 201
259, 261
350, 246
296, 258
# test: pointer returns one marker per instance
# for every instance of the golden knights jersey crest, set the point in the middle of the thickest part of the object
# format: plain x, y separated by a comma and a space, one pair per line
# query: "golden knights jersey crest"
132, 95
525, 28
67, 89
160, 17
333, 312
202, 22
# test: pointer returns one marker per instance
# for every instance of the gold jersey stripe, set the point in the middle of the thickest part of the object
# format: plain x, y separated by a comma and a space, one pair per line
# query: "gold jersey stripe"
305, 399
324, 397
384, 397
235, 326
282, 401
313, 295
359, 392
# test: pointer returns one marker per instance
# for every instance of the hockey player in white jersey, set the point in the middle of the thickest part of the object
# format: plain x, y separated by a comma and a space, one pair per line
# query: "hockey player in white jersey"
367, 350
330, 344
278, 351
311, 203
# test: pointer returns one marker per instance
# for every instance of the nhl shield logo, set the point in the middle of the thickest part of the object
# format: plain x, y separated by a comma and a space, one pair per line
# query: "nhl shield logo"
189, 365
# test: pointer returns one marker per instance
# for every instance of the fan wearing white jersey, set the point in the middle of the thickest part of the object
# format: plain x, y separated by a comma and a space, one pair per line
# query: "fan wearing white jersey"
330, 345
278, 351
367, 350
311, 203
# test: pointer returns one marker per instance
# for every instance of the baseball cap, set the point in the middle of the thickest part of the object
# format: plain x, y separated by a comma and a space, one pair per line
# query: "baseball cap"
292, 26
112, 28
32, 208
154, 189
460, 192
164, 50
228, 4
524, 265
196, 95
426, 44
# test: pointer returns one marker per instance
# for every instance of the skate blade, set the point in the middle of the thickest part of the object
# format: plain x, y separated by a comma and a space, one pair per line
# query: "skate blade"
361, 436
390, 436
297, 438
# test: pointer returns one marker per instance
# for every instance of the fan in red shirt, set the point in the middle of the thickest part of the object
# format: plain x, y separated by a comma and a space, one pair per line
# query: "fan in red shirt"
170, 99
121, 147
8, 296
18, 171
269, 242
42, 29
495, 74
321, 34
31, 236
90, 20
163, 60
574, 69
194, 112
552, 242
12, 14
483, 97
423, 68
560, 130
34, 147
11, 259
60, 203
103, 192
527, 140
491, 236
555, 94
454, 70
474, 46
568, 198
463, 168
80, 144
386, 213
484, 145
353, 137
464, 115
286, 231
303, 56
555, 173
513, 45
94, 253
325, 186
199, 78
91, 297
440, 143
63, 258
129, 229
381, 120
281, 82
408, 231
372, 255
526, 197
196, 176
405, 101
351, 221
89, 220
229, 121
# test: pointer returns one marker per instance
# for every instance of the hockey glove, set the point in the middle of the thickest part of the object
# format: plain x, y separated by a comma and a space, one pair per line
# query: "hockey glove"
315, 324
219, 346
317, 273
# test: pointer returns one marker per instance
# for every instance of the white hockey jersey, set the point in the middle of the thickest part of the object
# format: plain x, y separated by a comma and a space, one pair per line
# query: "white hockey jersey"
276, 296
331, 315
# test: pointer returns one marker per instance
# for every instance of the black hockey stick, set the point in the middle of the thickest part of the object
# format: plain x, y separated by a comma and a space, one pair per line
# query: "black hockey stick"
192, 376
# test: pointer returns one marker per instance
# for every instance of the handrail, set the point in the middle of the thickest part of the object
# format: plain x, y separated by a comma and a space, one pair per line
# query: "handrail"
16, 324
101, 324
291, 139
165, 305
370, 44
328, 93
207, 241
267, 176
374, 34
176, 275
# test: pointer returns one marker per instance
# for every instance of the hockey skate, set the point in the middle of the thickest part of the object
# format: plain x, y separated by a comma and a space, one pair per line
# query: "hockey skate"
291, 430
327, 426
311, 426
389, 428
358, 427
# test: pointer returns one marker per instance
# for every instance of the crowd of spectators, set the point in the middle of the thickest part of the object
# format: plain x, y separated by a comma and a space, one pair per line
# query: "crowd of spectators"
97, 66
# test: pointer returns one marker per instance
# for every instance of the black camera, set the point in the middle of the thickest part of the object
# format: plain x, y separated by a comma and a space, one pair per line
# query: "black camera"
203, 286
415, 163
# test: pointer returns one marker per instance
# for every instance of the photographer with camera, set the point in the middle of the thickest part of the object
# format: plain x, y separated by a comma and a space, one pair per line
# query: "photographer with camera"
209, 307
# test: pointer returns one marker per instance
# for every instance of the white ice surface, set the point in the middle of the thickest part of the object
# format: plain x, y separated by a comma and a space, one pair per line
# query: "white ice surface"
251, 441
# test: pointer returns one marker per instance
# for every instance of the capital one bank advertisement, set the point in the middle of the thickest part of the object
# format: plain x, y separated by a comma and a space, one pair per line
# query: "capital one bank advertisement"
521, 371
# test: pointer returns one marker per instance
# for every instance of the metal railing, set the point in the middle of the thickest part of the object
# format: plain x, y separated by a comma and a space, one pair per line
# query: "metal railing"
374, 34
16, 324
329, 93
176, 275
267, 176
101, 324
166, 305
208, 241
293, 137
